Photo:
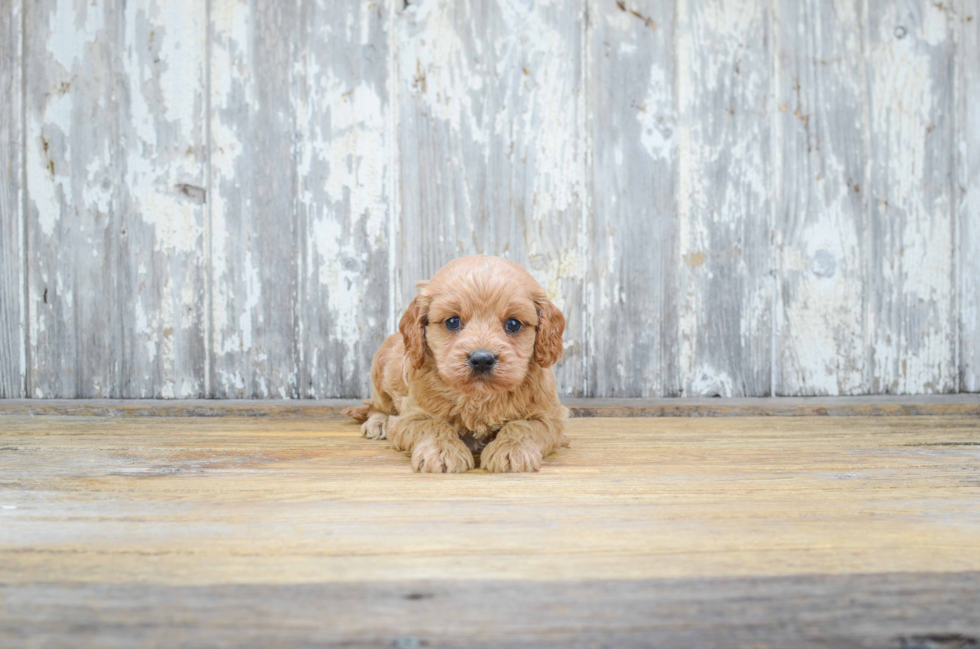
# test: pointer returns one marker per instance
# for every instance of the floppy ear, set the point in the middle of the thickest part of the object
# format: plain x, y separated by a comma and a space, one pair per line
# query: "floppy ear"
412, 328
551, 325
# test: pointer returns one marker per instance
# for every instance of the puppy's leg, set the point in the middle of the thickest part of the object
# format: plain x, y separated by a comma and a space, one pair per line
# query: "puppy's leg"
376, 425
434, 444
521, 445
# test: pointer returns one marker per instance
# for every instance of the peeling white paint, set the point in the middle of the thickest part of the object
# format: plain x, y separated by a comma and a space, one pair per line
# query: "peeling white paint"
70, 33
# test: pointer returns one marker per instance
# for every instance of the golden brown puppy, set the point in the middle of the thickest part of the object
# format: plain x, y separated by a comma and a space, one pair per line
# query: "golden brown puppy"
471, 371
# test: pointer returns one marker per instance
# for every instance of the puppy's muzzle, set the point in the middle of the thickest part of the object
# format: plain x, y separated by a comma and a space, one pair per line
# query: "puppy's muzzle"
481, 361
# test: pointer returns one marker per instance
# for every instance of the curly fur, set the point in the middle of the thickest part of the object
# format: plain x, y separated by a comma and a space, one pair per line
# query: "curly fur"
426, 400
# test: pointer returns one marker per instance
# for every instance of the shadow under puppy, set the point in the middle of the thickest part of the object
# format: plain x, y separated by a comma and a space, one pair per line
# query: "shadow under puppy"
470, 372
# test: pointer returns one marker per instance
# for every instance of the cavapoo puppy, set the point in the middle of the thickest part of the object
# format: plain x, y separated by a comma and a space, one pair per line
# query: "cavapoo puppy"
470, 372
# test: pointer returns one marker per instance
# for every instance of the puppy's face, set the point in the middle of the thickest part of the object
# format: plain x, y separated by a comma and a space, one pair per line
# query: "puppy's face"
484, 320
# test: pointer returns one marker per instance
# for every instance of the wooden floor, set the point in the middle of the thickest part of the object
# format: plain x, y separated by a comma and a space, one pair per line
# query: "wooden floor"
668, 532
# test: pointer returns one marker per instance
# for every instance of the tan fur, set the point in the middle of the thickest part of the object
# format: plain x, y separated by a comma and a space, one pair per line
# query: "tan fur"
424, 398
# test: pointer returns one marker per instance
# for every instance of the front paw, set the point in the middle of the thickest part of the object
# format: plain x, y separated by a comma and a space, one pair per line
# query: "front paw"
376, 426
442, 455
505, 455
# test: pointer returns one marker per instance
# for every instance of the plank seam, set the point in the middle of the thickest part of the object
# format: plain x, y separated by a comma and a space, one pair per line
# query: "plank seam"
25, 316
954, 204
585, 123
394, 160
774, 192
209, 200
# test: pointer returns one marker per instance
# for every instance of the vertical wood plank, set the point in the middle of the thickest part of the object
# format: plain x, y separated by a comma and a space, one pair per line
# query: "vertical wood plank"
911, 316
821, 165
492, 135
72, 166
13, 363
255, 236
115, 175
723, 340
162, 272
633, 118
968, 150
344, 169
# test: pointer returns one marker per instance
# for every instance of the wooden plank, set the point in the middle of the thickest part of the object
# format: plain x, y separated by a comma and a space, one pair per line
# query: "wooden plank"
187, 502
723, 338
823, 346
492, 149
968, 162
911, 314
13, 361
921, 610
256, 240
73, 166
633, 118
162, 188
344, 167
115, 176
684, 532
924, 405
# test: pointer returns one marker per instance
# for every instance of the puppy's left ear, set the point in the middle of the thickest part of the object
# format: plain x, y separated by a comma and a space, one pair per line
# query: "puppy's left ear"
412, 328
551, 325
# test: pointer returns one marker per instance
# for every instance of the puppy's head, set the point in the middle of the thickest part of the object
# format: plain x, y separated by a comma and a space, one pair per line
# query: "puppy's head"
483, 320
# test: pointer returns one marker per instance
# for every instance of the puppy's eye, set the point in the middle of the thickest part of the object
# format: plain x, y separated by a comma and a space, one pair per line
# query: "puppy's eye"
453, 323
513, 326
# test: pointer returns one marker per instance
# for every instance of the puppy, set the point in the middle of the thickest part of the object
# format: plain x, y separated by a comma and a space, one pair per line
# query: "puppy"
470, 372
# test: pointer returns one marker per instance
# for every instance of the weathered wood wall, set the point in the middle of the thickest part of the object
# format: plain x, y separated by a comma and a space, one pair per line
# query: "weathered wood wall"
234, 198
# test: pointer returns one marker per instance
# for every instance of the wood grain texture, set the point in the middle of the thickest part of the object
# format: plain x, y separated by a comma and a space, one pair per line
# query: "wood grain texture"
787, 531
73, 166
821, 164
968, 191
961, 405
115, 176
235, 198
255, 231
345, 166
886, 611
724, 337
492, 154
300, 216
162, 271
911, 273
633, 121
13, 361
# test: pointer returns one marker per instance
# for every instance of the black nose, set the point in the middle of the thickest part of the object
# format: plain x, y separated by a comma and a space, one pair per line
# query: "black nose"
482, 361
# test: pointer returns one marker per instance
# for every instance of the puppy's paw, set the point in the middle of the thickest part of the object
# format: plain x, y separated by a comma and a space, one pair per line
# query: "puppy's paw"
396, 430
376, 426
505, 455
442, 455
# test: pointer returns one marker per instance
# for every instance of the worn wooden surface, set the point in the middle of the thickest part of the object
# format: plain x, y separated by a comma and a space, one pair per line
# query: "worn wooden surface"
13, 362
926, 405
724, 330
235, 198
911, 272
968, 193
633, 130
822, 338
709, 532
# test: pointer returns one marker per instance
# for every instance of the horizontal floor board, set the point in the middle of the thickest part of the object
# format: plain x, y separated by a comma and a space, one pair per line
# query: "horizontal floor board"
900, 611
282, 531
945, 404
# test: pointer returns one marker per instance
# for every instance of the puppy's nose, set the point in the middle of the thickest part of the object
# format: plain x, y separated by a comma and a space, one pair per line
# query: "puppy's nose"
482, 361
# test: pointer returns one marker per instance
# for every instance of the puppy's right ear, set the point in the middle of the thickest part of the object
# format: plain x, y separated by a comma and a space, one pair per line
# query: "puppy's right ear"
412, 328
